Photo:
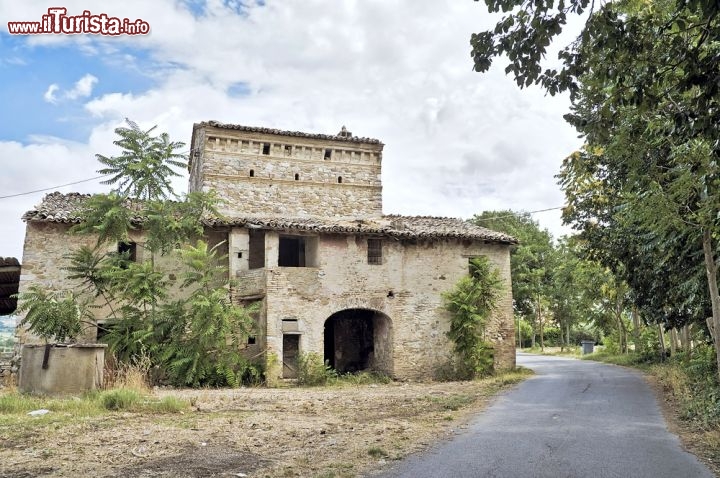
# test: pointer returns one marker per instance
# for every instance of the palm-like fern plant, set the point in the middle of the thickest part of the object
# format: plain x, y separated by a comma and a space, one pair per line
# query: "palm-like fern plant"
53, 314
145, 166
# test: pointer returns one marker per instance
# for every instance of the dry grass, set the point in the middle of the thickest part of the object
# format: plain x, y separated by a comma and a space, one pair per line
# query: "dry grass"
131, 376
338, 431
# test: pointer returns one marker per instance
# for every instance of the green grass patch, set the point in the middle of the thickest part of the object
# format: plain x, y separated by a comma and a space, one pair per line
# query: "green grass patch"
360, 378
627, 360
120, 399
93, 403
377, 452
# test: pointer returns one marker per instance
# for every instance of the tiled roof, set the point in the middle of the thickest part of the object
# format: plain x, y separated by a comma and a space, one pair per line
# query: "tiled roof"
401, 227
64, 208
58, 207
300, 134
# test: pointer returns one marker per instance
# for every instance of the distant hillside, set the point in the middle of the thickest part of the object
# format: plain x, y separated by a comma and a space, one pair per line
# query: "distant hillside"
7, 325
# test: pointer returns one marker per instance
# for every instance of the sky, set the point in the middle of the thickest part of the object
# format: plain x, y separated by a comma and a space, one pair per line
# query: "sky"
456, 142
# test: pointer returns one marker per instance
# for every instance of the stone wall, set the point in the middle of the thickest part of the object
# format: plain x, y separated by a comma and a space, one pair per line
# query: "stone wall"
406, 287
265, 174
44, 264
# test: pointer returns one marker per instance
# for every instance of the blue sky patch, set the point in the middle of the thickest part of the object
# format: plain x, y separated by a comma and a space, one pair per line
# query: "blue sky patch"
28, 71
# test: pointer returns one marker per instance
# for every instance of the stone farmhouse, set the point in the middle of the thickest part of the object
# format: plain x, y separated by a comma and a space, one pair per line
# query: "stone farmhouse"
305, 235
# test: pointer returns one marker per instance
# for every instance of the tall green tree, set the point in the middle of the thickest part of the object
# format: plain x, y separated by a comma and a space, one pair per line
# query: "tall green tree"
531, 263
642, 77
144, 169
195, 340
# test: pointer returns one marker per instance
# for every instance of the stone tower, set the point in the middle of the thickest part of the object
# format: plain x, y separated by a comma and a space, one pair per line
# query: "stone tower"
268, 172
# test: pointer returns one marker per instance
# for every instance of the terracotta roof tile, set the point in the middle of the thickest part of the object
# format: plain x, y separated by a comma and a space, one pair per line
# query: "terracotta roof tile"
257, 129
64, 208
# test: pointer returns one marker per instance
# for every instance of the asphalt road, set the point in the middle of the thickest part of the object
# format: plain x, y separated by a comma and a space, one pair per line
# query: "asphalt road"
574, 418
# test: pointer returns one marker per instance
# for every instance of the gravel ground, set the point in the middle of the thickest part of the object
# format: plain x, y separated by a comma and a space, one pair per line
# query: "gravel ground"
256, 432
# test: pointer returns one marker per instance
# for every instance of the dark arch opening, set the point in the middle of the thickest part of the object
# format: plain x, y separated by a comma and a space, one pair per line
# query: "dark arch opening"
339, 179
252, 173
359, 339
297, 176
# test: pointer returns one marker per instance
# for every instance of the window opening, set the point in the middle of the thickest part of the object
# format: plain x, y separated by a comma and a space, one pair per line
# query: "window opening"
252, 173
129, 250
266, 148
374, 251
298, 251
339, 179
292, 251
328, 153
297, 177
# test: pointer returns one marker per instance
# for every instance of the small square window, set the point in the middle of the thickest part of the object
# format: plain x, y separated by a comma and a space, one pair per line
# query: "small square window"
251, 340
129, 249
374, 251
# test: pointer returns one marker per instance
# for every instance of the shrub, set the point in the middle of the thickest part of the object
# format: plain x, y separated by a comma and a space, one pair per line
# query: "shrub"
470, 304
313, 371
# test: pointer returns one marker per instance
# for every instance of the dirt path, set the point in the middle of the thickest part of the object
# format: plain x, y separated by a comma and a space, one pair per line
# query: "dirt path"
255, 432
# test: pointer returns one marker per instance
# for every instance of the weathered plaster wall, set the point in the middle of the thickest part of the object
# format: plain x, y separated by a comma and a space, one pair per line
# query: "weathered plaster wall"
345, 184
407, 288
44, 264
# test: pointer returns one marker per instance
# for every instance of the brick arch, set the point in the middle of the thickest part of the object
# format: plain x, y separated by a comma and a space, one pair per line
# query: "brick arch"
356, 339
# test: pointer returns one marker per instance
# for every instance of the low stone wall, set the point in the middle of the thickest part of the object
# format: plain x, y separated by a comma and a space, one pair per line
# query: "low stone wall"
70, 369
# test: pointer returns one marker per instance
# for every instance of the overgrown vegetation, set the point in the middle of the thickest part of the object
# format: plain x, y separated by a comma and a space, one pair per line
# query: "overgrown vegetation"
470, 303
148, 249
94, 403
53, 314
313, 372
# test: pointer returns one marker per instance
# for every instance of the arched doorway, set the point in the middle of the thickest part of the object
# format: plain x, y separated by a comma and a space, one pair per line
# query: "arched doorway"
359, 339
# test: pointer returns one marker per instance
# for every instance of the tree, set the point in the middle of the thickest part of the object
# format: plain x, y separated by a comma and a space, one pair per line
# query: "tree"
470, 304
194, 340
53, 314
530, 262
204, 331
642, 80
145, 166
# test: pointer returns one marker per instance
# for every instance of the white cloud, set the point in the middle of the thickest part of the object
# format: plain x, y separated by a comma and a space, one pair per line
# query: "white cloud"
83, 87
457, 142
49, 95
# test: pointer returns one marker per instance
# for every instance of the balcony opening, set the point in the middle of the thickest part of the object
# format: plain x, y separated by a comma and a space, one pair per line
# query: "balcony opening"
298, 251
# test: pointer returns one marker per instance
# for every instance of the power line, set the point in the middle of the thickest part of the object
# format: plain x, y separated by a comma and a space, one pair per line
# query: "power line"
518, 213
99, 177
53, 187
